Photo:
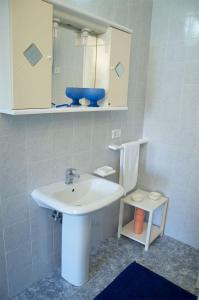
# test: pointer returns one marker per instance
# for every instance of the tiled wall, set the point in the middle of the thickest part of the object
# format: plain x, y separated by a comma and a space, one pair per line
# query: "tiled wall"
171, 162
36, 150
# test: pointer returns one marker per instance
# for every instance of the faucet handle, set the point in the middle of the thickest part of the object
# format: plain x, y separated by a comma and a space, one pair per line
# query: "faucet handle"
71, 175
71, 171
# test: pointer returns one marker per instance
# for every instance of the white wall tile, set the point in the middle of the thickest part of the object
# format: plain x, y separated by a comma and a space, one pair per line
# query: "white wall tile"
42, 249
19, 258
170, 161
39, 173
41, 224
14, 209
16, 235
3, 275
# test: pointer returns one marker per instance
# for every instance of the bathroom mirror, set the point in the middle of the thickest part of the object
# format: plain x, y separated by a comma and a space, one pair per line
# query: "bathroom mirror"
74, 61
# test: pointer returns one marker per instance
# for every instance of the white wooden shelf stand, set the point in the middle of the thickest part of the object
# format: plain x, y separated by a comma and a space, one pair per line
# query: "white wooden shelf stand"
151, 231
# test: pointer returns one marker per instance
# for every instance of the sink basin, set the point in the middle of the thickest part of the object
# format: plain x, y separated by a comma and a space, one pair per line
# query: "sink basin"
89, 194
76, 202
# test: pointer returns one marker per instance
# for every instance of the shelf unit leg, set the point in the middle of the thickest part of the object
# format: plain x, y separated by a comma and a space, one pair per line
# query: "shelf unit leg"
148, 231
197, 282
162, 225
120, 218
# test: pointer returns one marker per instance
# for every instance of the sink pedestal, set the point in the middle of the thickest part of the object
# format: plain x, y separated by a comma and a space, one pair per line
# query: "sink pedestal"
76, 232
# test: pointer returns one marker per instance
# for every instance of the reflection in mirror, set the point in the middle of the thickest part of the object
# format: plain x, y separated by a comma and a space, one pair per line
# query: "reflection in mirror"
74, 61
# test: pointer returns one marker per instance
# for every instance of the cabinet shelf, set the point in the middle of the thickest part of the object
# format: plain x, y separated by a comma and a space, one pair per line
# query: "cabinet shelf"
127, 231
15, 112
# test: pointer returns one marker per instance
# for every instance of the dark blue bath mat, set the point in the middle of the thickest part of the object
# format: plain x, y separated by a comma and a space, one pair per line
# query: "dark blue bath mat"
138, 283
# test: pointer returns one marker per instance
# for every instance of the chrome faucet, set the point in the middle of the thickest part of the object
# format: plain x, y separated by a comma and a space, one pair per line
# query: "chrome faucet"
71, 176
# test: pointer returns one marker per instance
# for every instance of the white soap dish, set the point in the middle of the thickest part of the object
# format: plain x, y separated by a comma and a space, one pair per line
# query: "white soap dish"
137, 197
155, 196
104, 171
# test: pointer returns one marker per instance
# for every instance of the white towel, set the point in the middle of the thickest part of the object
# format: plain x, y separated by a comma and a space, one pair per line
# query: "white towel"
129, 161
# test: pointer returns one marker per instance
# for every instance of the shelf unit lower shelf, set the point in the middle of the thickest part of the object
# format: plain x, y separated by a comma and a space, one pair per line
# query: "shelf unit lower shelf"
127, 231
32, 111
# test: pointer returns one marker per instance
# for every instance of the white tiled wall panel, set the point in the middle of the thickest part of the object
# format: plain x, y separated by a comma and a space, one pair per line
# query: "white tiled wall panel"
170, 162
36, 150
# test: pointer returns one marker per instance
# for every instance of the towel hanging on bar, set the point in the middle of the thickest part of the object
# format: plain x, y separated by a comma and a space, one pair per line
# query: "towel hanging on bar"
129, 161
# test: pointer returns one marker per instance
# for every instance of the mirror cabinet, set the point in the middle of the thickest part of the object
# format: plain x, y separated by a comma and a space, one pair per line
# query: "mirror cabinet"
46, 49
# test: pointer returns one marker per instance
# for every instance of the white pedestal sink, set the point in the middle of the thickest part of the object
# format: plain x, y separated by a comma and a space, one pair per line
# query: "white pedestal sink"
76, 202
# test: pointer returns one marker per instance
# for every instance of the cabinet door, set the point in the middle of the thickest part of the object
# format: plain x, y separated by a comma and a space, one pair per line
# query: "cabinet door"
31, 39
119, 67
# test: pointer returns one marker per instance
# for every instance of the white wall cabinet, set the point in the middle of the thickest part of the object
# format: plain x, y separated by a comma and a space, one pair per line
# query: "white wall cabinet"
25, 54
26, 35
112, 67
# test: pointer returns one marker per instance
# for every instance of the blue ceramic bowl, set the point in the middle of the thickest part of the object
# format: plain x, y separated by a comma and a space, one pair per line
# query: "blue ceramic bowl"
94, 95
75, 94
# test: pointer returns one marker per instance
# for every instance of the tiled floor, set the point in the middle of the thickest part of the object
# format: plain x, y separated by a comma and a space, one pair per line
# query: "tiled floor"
167, 257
